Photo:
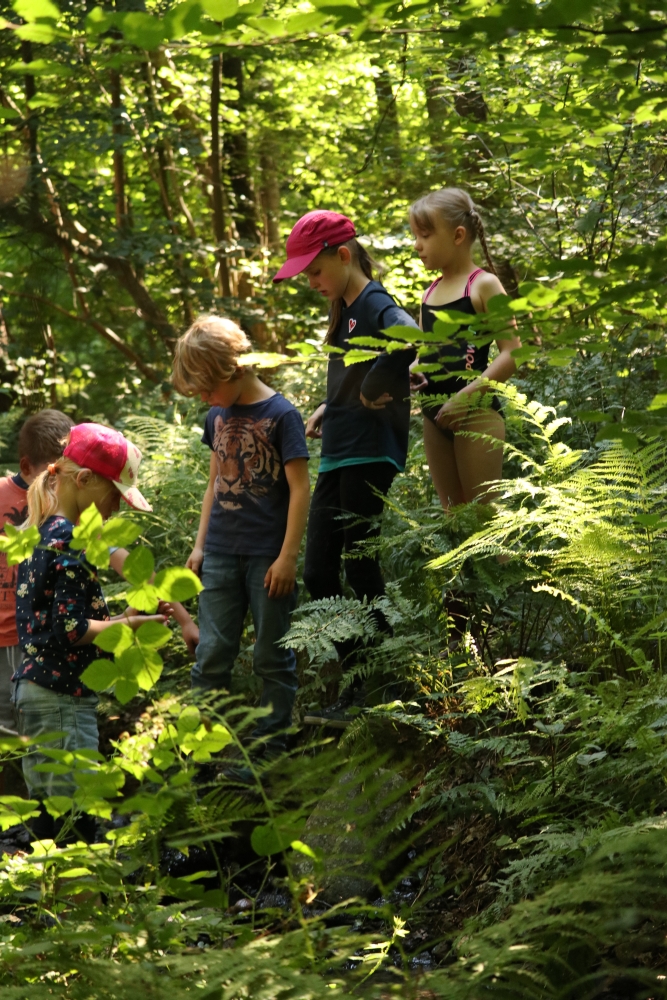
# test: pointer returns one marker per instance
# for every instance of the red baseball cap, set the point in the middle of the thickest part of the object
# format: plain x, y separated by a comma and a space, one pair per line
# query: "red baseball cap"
312, 234
106, 452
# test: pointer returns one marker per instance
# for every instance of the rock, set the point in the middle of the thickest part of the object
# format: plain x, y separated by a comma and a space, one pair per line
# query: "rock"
352, 827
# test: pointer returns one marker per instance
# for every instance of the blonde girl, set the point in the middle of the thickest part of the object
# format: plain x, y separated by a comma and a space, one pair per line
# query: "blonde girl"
60, 607
462, 437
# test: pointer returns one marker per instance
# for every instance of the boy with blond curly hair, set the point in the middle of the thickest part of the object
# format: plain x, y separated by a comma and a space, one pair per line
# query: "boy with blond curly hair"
253, 516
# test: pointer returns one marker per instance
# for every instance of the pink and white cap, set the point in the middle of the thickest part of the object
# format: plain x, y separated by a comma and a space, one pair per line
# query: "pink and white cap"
105, 451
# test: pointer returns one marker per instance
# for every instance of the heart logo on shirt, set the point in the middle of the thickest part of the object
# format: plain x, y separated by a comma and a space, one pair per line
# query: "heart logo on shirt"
351, 325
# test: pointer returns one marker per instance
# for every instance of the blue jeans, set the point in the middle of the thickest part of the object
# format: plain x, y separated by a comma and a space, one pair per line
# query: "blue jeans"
231, 585
40, 710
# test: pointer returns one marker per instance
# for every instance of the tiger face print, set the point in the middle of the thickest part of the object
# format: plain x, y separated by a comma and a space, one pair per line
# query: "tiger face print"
248, 464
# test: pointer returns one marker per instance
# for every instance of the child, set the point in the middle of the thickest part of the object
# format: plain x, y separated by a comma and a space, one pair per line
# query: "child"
41, 440
445, 225
60, 608
253, 517
365, 421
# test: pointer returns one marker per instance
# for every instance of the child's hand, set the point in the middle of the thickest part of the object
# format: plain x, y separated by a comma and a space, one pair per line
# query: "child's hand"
190, 634
451, 414
281, 576
314, 422
136, 621
195, 560
376, 404
418, 380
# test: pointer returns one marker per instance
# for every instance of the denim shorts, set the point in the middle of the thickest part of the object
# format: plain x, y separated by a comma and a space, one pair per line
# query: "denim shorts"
40, 710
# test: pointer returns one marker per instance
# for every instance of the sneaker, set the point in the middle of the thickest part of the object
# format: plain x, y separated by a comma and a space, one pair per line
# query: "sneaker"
342, 713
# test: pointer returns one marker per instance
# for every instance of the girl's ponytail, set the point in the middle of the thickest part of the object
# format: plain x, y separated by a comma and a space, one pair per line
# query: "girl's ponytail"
43, 494
363, 259
479, 233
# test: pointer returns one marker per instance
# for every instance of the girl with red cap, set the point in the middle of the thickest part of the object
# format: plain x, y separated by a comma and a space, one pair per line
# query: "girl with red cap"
365, 420
60, 607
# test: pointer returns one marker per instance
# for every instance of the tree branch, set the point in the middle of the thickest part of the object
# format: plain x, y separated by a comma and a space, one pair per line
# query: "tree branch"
104, 331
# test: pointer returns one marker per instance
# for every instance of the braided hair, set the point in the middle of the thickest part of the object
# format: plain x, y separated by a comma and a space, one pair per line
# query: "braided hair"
456, 207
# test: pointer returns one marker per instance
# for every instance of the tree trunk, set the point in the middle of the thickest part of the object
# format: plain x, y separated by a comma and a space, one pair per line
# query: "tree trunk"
216, 180
31, 126
270, 192
118, 154
388, 142
238, 160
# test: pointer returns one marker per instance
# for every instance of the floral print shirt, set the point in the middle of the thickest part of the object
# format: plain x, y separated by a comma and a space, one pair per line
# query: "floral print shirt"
57, 592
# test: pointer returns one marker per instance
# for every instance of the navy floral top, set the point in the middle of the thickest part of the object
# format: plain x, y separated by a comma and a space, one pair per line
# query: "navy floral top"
57, 592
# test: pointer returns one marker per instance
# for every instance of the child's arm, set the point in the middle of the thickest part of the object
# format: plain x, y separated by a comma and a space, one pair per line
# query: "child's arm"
95, 627
196, 557
281, 575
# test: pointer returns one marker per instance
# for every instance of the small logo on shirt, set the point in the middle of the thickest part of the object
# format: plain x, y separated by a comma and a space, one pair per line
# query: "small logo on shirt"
351, 325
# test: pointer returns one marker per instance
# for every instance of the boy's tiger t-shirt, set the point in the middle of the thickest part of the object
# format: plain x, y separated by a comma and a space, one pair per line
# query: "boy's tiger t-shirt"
252, 445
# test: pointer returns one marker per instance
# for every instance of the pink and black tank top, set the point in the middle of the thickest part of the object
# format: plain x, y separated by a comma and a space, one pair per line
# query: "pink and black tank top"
455, 357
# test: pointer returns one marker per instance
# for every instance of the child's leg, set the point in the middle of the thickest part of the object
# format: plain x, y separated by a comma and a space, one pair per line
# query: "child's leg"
10, 657
40, 710
480, 460
223, 605
273, 663
363, 491
441, 459
324, 538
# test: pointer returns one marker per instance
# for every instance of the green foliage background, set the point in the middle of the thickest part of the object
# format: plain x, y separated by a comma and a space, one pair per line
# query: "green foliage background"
154, 157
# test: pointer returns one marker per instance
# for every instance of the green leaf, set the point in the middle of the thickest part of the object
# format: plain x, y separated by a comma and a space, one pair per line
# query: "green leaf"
100, 675
88, 529
151, 669
139, 565
33, 10
274, 836
126, 690
189, 719
220, 10
115, 639
15, 810
141, 29
120, 532
177, 584
19, 544
9, 113
153, 634
183, 19
298, 845
144, 598
58, 805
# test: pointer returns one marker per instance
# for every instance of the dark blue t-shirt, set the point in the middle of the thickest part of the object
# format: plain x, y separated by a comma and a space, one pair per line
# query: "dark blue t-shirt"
57, 592
252, 444
349, 429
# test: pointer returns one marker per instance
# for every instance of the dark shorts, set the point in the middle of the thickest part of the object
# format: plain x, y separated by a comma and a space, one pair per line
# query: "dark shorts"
431, 410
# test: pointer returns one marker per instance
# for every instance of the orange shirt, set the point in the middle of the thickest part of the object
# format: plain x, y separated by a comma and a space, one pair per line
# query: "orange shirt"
13, 510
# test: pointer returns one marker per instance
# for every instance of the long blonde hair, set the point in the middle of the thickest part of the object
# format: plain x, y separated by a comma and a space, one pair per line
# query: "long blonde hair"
456, 207
43, 491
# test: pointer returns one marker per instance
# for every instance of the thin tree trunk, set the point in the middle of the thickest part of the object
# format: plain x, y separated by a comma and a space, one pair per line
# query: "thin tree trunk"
31, 126
238, 159
270, 192
51, 348
388, 142
118, 155
216, 179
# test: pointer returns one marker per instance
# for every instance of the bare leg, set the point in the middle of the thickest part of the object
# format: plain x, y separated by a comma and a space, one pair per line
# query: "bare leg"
442, 465
478, 460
